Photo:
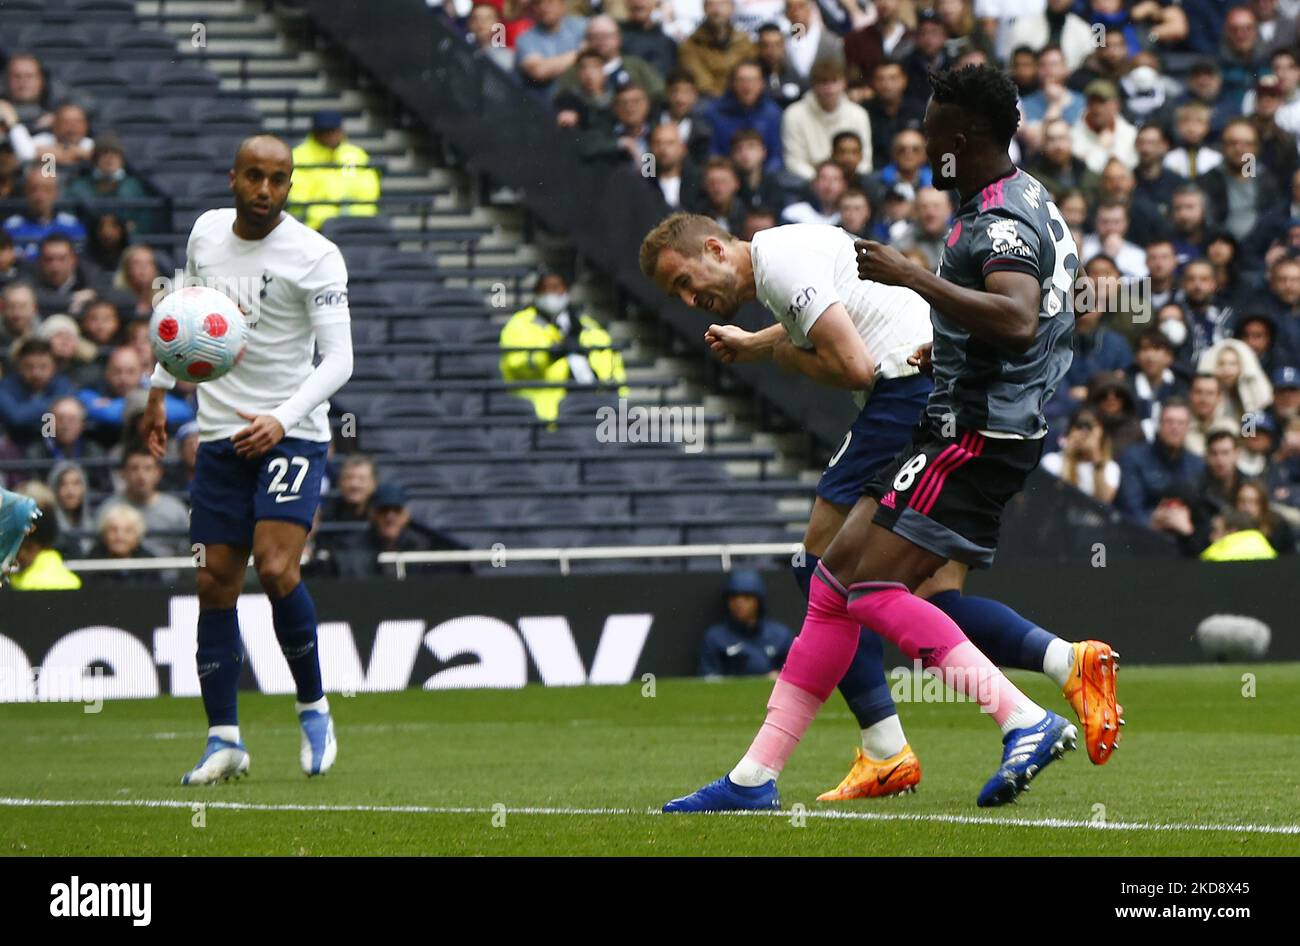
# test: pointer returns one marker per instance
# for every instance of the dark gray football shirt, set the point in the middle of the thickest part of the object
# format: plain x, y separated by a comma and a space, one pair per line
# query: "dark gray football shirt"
1012, 224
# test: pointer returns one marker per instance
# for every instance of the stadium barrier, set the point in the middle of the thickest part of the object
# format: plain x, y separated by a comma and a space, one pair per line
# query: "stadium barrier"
442, 631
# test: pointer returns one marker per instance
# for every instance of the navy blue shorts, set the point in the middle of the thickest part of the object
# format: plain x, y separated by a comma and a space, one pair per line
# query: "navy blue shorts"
881, 431
229, 494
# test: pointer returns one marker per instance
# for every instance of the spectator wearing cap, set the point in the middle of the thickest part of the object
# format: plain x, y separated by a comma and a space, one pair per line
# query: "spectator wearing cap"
887, 39
1158, 480
550, 48
1056, 25
1277, 148
926, 55
619, 69
63, 283
645, 39
328, 167
809, 126
74, 356
1154, 376
27, 393
1102, 132
712, 53
746, 104
1259, 439
1240, 189
784, 85
391, 530
39, 217
746, 642
108, 180
1286, 394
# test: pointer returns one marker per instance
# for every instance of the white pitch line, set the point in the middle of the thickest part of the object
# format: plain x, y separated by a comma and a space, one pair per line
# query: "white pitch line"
835, 815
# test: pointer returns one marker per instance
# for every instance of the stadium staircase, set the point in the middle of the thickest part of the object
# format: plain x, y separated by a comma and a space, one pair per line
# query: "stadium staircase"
432, 278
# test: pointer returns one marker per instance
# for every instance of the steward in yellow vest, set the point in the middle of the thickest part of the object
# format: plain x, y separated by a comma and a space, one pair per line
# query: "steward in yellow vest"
327, 167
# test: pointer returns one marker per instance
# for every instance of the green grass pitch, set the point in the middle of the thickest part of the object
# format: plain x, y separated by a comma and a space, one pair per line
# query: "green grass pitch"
580, 771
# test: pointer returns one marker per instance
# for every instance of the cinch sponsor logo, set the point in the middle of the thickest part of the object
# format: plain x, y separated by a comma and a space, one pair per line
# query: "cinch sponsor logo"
801, 299
331, 298
102, 900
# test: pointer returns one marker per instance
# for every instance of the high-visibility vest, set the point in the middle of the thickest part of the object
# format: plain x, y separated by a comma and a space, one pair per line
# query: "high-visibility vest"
341, 173
528, 328
1249, 545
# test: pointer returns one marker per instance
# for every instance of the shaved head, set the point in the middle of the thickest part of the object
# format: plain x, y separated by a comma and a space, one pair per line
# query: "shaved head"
260, 181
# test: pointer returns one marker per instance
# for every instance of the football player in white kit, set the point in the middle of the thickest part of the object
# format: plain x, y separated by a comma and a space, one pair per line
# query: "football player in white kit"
872, 339
264, 434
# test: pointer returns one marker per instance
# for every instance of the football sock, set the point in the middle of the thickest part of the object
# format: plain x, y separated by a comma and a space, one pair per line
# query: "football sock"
920, 630
228, 733
294, 617
319, 706
863, 685
220, 659
1007, 638
884, 739
1058, 660
817, 660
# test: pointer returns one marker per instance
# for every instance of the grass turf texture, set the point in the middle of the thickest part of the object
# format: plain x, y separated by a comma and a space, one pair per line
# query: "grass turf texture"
1196, 752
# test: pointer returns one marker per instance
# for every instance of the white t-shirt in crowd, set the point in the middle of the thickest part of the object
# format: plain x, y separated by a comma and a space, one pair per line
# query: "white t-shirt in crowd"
1086, 473
288, 284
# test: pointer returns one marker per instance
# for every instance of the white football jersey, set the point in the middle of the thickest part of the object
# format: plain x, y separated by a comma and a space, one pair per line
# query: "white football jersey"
801, 270
287, 284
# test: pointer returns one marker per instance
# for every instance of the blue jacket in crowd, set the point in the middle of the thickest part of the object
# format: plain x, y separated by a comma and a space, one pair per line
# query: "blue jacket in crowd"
1151, 471
733, 649
728, 116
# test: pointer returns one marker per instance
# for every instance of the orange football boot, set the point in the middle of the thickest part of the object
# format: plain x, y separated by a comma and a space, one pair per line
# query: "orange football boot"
897, 775
1091, 691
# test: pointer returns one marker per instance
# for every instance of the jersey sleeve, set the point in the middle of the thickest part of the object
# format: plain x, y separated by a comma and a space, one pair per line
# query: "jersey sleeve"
325, 289
798, 284
1004, 242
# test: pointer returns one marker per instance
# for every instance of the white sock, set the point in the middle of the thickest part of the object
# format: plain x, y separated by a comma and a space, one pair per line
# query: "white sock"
228, 733
750, 774
884, 739
1059, 661
321, 706
1023, 716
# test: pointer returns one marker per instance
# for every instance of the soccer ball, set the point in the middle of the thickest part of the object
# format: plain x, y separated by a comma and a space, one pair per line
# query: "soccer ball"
198, 333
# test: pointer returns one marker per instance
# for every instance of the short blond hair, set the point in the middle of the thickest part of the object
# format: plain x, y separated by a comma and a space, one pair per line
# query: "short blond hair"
683, 233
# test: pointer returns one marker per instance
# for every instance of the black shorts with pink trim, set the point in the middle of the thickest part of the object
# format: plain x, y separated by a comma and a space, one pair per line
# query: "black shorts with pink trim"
946, 494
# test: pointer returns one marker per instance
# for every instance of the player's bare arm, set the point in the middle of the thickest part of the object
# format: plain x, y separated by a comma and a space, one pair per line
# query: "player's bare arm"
1004, 313
838, 358
155, 422
734, 345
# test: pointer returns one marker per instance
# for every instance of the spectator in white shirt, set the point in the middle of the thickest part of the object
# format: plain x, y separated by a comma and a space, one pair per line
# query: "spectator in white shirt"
809, 126
1085, 460
1111, 238
828, 186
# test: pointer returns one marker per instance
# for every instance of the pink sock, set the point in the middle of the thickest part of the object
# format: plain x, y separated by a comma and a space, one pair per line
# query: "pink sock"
922, 631
818, 659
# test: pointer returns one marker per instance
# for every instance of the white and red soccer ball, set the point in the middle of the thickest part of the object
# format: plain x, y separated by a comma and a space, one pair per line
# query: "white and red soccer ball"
198, 333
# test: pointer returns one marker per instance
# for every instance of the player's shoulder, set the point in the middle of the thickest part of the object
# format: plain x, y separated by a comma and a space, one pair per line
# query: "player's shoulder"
778, 245
1019, 196
308, 245
211, 221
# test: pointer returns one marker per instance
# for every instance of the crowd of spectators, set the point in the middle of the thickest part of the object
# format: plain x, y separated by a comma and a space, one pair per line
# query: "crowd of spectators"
1166, 131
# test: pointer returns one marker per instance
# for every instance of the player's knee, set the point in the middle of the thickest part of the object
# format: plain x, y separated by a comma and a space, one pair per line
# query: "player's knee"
278, 573
215, 591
